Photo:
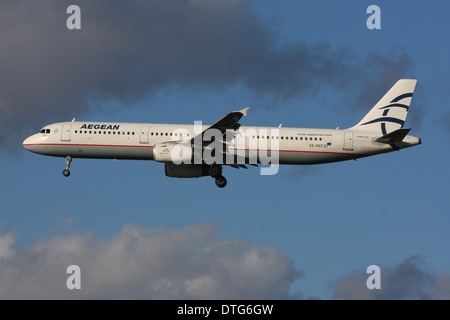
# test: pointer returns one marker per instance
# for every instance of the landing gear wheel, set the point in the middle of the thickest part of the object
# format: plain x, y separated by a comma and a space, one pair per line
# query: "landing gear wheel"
221, 181
66, 171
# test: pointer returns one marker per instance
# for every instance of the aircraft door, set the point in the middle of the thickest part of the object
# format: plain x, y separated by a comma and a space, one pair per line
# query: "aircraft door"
65, 133
144, 134
348, 140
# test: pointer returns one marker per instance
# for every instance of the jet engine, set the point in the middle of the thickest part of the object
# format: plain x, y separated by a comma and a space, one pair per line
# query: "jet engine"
186, 170
172, 152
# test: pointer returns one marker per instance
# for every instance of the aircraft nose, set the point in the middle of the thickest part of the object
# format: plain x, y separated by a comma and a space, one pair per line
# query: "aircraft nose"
27, 143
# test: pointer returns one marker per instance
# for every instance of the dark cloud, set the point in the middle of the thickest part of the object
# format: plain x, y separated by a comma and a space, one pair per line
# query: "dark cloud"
126, 51
141, 263
383, 71
411, 279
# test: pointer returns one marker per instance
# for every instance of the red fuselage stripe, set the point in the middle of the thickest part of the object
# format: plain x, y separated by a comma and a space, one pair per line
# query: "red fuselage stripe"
137, 146
85, 145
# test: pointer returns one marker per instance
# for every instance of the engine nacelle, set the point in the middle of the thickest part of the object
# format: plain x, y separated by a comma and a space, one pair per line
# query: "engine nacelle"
172, 152
186, 170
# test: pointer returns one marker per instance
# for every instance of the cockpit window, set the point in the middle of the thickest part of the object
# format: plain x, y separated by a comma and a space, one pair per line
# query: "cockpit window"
45, 131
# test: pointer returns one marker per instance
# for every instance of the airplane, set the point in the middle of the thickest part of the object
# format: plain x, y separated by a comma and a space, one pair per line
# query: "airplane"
192, 151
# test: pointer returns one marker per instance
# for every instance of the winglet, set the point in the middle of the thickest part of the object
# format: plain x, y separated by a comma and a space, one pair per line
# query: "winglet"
244, 111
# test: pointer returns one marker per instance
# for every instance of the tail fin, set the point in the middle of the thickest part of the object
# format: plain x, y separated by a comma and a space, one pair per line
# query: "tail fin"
389, 114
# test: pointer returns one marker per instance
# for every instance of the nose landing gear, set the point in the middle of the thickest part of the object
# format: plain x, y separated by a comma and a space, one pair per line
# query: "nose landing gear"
66, 171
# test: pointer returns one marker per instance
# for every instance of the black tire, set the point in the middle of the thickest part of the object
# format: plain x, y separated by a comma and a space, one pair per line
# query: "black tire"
221, 182
66, 173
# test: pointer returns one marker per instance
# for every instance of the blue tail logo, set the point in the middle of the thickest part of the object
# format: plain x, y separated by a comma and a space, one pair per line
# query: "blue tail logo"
392, 104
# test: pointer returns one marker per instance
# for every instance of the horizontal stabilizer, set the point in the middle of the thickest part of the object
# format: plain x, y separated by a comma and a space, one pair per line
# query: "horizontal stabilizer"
395, 136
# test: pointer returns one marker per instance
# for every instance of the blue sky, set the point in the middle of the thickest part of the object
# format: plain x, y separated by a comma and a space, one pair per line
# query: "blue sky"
309, 226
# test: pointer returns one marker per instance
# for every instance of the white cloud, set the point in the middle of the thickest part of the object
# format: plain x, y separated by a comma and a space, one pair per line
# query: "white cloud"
141, 263
6, 242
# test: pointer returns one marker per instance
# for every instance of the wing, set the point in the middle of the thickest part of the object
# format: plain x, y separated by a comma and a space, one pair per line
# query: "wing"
229, 122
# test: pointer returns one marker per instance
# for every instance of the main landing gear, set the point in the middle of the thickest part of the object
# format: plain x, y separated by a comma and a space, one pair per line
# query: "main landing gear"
66, 171
216, 172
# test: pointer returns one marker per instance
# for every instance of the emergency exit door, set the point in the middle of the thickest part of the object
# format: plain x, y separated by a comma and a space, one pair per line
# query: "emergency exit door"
144, 134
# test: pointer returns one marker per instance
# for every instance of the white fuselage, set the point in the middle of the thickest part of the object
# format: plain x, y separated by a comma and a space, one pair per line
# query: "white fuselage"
136, 140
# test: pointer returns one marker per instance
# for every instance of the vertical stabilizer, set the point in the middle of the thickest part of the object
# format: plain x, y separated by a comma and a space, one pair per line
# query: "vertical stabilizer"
389, 114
